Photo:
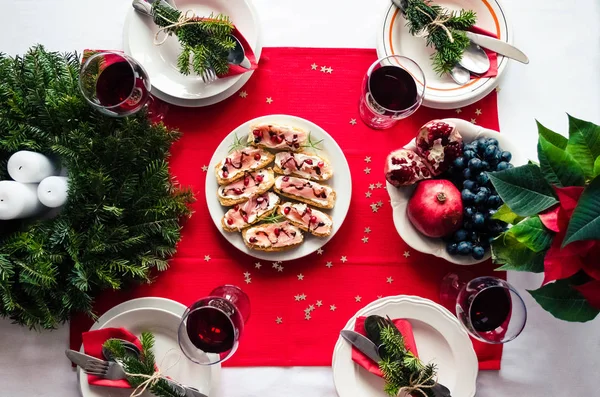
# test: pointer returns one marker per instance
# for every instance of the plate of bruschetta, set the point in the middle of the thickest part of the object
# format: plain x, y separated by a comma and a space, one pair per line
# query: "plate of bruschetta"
280, 187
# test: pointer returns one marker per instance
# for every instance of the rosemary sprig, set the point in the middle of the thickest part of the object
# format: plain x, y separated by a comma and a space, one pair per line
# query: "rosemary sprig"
274, 218
312, 145
238, 143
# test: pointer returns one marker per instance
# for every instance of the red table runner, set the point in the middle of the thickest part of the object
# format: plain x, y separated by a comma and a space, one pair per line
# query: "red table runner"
364, 261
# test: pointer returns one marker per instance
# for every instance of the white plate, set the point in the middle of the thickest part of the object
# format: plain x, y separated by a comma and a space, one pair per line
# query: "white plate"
442, 92
161, 61
341, 182
439, 337
162, 304
400, 196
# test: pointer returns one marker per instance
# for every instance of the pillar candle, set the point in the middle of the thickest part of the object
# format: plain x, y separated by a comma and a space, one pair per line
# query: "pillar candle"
18, 200
53, 191
30, 167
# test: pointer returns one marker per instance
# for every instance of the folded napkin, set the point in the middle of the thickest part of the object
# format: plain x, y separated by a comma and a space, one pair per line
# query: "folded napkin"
493, 70
92, 345
405, 329
236, 69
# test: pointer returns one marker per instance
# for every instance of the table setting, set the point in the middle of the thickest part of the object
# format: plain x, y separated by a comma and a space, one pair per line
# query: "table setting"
190, 204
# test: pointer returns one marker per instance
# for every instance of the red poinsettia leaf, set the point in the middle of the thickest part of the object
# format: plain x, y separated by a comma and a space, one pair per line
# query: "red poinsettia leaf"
568, 197
550, 218
591, 262
591, 292
564, 262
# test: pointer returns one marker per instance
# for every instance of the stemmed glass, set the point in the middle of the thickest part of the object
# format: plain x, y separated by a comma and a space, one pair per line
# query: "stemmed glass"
211, 327
392, 89
489, 308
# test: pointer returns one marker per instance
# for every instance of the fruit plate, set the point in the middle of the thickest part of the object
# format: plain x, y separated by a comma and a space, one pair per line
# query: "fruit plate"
340, 182
400, 196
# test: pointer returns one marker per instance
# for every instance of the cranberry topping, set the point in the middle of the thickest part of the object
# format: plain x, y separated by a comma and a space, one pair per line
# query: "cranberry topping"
252, 239
230, 221
246, 181
277, 231
313, 219
286, 210
286, 178
225, 174
259, 178
321, 164
257, 156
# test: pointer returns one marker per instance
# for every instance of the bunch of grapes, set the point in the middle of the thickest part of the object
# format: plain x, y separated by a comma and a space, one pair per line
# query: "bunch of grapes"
480, 199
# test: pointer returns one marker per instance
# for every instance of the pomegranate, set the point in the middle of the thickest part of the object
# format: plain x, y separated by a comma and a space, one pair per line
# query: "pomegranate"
404, 167
439, 143
435, 208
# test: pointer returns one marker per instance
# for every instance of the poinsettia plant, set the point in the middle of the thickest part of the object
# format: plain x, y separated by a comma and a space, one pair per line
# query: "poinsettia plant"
554, 210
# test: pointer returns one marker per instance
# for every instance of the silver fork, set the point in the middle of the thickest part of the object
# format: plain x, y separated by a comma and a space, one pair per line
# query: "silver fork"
105, 369
209, 75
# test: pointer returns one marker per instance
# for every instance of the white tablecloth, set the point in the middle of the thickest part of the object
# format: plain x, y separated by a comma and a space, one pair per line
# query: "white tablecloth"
562, 39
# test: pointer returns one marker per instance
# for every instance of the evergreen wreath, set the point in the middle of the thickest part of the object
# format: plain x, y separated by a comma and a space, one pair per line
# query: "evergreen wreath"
122, 217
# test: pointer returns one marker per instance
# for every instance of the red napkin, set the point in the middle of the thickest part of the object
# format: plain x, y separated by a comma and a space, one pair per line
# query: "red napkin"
236, 69
493, 70
92, 345
405, 329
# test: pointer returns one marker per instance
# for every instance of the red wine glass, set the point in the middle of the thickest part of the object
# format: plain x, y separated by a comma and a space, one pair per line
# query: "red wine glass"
211, 327
392, 89
489, 308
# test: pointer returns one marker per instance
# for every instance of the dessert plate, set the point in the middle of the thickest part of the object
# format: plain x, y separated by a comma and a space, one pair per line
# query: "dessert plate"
340, 182
400, 196
442, 92
439, 337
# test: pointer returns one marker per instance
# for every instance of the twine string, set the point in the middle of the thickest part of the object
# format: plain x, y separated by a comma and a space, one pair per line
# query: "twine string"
440, 21
417, 385
152, 379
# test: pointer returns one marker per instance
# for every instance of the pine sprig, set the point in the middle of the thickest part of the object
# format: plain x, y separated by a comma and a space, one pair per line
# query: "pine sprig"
447, 36
238, 143
313, 145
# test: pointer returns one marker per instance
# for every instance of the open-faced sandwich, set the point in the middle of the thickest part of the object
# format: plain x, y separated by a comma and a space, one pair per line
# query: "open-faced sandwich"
277, 137
233, 167
303, 165
251, 184
308, 192
272, 236
252, 211
308, 219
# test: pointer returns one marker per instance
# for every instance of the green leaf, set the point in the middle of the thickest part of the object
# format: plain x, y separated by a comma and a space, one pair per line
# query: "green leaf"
533, 234
597, 167
564, 302
514, 255
584, 143
558, 166
505, 214
524, 189
554, 138
585, 222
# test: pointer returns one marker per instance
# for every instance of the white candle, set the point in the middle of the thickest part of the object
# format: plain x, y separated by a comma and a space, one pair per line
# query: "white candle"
18, 200
30, 167
53, 191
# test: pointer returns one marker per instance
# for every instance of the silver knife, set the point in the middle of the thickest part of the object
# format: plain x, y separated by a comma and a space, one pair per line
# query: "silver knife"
499, 46
80, 358
363, 344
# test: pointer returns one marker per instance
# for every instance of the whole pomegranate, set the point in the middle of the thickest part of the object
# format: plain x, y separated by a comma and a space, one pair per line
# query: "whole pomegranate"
439, 143
404, 167
435, 208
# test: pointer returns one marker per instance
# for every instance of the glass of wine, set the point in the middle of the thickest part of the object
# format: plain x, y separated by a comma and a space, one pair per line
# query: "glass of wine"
392, 89
211, 327
116, 85
489, 308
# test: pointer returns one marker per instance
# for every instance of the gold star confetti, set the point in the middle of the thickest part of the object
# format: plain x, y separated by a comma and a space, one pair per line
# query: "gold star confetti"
498, 89
207, 257
257, 265
406, 254
319, 303
279, 268
329, 265
380, 203
324, 69
365, 239
367, 230
473, 121
368, 159
314, 66
358, 298
269, 100
243, 94
390, 280
353, 121
332, 308
275, 265
247, 274
478, 112
371, 186
248, 280
459, 110
368, 194
297, 298
379, 296
344, 259
374, 207
307, 310
300, 277
367, 170
279, 320
307, 317
330, 70
311, 307
378, 185
302, 297
205, 168
320, 251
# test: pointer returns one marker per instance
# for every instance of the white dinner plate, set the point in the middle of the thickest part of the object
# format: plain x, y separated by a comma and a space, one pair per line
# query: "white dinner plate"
341, 182
439, 337
400, 196
161, 61
442, 92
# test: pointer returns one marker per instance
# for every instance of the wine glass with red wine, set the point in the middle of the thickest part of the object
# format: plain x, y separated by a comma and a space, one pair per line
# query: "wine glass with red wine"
115, 84
392, 89
211, 327
489, 308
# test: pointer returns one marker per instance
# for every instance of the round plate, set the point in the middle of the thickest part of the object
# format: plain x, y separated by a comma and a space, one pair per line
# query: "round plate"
340, 182
442, 92
161, 61
439, 337
400, 196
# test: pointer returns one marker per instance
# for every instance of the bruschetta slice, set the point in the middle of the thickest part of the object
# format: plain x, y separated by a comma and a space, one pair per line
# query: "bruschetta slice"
303, 165
233, 167
251, 184
306, 191
252, 211
308, 219
277, 137
272, 237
